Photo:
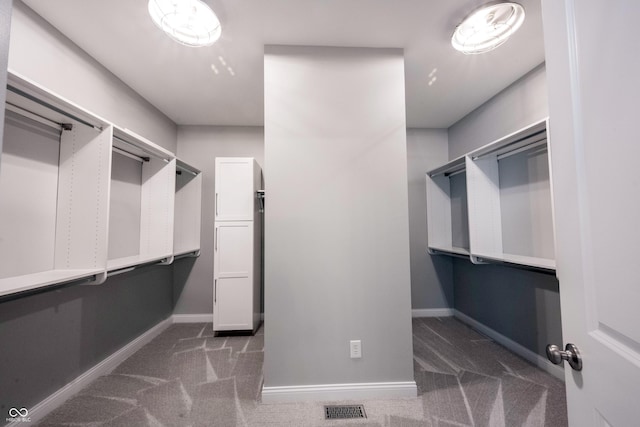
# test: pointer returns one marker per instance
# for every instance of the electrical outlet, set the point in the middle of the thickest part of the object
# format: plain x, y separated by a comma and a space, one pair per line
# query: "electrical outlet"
356, 349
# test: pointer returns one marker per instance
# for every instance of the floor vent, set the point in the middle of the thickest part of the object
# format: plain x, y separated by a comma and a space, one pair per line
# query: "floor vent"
334, 412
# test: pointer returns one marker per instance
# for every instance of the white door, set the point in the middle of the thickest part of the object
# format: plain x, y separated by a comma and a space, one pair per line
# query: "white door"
233, 284
235, 194
593, 73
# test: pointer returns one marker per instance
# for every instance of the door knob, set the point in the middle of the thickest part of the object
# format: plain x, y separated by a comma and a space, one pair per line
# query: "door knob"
570, 354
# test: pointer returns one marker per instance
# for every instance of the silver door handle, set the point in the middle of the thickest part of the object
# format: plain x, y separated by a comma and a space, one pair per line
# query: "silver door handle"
216, 233
216, 204
215, 290
570, 354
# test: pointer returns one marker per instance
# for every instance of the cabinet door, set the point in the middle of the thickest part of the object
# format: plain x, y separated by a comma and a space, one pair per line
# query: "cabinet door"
233, 265
232, 305
235, 193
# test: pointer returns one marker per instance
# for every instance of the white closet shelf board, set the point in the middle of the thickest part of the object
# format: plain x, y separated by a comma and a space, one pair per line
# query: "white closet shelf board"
511, 220
188, 207
541, 263
133, 261
32, 281
72, 211
151, 216
455, 165
185, 167
135, 144
454, 250
443, 205
28, 95
526, 136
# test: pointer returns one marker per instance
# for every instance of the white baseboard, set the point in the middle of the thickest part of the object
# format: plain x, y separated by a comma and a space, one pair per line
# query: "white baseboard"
432, 312
542, 363
42, 409
193, 318
328, 392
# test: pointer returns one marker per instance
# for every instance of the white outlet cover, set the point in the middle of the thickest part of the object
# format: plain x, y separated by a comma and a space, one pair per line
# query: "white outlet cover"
356, 349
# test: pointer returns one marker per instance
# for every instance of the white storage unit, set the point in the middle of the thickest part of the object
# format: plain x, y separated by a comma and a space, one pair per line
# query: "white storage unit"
510, 209
54, 181
237, 245
188, 205
236, 188
507, 204
448, 226
141, 207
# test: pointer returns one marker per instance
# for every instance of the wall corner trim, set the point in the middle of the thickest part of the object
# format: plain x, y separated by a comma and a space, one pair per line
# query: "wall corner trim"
432, 312
525, 353
53, 401
193, 318
350, 391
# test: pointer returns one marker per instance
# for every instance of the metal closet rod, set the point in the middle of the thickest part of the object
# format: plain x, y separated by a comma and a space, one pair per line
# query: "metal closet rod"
530, 146
455, 172
134, 267
539, 138
180, 169
30, 115
130, 155
51, 107
146, 159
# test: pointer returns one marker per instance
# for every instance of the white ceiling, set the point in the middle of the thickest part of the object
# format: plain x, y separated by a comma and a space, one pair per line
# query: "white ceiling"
180, 82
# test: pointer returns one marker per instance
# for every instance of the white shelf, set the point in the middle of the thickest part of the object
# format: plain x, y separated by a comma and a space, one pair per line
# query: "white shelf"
31, 281
542, 263
188, 207
447, 218
509, 207
449, 168
59, 195
142, 191
193, 252
450, 250
54, 190
133, 261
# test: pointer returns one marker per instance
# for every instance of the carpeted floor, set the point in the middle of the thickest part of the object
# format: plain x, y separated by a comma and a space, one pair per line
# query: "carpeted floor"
188, 377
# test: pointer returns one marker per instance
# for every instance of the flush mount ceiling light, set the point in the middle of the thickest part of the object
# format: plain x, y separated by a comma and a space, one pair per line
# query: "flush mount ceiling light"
487, 27
190, 22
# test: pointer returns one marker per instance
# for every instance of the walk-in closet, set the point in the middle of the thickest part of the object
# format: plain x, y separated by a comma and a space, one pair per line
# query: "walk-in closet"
307, 213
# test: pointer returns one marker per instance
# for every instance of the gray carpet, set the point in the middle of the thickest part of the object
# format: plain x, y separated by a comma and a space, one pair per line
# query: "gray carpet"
188, 377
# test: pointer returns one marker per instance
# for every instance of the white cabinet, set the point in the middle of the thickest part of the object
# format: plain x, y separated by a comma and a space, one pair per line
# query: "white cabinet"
236, 187
237, 245
233, 282
494, 204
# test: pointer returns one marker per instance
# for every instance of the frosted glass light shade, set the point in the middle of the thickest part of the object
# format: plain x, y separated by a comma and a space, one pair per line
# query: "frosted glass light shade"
189, 22
487, 27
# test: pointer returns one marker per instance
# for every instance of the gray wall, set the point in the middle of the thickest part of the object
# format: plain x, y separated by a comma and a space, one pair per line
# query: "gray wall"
41, 53
199, 146
522, 305
50, 338
337, 264
431, 277
517, 106
5, 33
53, 337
